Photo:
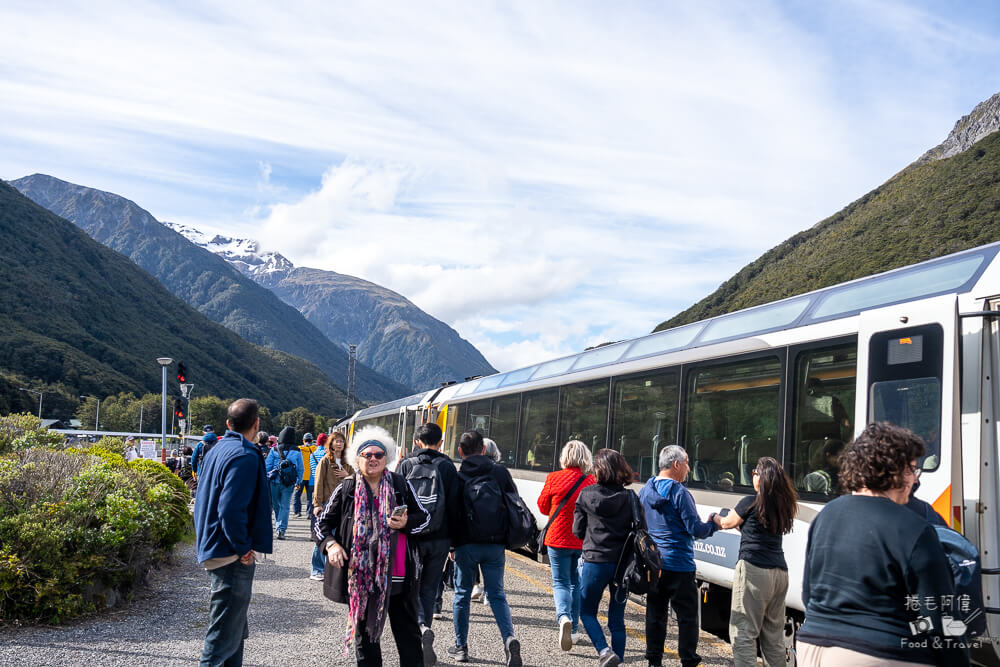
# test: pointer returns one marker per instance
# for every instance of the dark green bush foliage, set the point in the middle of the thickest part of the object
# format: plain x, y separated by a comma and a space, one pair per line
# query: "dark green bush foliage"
22, 431
77, 531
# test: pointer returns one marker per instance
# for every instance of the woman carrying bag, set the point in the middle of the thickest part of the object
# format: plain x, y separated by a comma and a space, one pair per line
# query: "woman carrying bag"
558, 501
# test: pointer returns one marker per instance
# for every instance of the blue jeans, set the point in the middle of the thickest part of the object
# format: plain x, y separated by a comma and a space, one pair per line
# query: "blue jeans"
281, 498
594, 578
566, 583
469, 558
227, 615
297, 497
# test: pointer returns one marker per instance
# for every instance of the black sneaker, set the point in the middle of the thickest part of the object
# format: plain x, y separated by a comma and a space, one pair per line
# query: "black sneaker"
281, 535
427, 642
460, 653
607, 658
512, 648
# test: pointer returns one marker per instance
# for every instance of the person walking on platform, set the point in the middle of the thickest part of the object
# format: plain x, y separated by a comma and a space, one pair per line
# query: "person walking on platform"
760, 579
232, 524
673, 523
365, 530
603, 519
876, 582
480, 543
206, 443
305, 484
331, 469
557, 500
435, 481
285, 470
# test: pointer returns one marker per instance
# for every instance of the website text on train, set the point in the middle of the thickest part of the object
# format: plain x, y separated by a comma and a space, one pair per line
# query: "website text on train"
918, 346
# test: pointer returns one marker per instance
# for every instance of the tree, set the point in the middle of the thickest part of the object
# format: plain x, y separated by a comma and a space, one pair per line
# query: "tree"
208, 410
300, 418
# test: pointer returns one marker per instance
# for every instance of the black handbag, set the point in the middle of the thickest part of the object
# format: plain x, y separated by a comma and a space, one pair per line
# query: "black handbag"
542, 549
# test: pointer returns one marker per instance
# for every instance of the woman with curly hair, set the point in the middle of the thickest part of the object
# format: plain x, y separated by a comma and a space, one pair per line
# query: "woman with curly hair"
875, 575
760, 580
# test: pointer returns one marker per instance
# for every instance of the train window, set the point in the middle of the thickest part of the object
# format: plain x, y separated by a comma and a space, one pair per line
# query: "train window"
454, 428
733, 412
538, 430
583, 414
598, 356
664, 341
644, 419
503, 426
551, 368
914, 404
479, 418
825, 388
758, 319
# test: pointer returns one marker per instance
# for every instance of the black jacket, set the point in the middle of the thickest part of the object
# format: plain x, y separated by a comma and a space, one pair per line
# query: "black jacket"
336, 524
472, 467
603, 520
286, 439
450, 482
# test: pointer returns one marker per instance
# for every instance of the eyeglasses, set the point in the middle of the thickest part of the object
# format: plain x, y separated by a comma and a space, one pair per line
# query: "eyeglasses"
373, 455
915, 469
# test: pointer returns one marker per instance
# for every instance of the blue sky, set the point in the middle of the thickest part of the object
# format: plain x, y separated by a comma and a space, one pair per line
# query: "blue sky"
541, 176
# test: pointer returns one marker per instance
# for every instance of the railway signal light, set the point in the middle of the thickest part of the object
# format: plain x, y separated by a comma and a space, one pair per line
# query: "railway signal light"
181, 373
180, 411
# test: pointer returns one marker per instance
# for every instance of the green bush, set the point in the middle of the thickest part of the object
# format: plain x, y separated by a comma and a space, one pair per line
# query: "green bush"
23, 431
77, 531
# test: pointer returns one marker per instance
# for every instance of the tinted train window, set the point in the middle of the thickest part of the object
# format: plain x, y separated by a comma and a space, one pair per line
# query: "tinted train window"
503, 426
583, 415
538, 430
733, 412
479, 418
644, 420
914, 404
825, 388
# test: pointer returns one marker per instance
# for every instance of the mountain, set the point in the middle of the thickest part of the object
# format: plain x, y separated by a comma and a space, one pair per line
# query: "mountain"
203, 280
946, 201
393, 336
77, 313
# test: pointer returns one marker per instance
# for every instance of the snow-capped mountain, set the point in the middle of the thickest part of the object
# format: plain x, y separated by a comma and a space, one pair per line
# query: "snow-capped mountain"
245, 254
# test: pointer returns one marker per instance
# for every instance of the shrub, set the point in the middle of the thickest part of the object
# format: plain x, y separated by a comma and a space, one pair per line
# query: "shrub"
77, 531
23, 431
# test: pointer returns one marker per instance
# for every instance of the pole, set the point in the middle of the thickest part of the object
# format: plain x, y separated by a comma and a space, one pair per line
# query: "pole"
163, 412
141, 406
97, 419
40, 394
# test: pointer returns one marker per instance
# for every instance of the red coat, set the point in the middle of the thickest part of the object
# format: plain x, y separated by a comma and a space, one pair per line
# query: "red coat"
557, 485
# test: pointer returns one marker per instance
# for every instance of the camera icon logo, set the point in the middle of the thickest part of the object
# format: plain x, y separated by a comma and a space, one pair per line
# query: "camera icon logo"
921, 625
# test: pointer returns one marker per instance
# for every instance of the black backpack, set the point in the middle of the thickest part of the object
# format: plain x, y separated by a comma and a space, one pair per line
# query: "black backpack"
963, 558
287, 474
521, 527
484, 509
638, 567
425, 478
206, 447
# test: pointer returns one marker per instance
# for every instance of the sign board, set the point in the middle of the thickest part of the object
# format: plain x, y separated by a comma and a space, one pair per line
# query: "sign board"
186, 390
147, 449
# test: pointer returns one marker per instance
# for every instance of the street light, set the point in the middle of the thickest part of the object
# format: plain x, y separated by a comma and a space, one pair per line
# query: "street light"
164, 362
97, 418
40, 393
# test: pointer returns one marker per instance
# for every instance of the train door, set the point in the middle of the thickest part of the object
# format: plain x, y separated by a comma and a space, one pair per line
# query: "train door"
982, 424
908, 375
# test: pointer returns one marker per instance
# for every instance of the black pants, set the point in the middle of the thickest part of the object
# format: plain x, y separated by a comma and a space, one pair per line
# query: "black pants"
433, 555
679, 590
405, 630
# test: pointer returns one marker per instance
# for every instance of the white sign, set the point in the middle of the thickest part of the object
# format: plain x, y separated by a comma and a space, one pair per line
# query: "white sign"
147, 449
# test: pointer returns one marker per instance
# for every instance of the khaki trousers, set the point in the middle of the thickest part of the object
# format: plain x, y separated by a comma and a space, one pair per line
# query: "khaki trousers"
810, 655
758, 612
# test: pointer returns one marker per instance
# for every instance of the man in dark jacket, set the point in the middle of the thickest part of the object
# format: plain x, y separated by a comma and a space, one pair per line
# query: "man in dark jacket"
232, 522
480, 541
438, 487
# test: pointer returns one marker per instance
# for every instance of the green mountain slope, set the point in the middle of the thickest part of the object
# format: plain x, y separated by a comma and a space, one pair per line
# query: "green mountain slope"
925, 211
75, 312
205, 281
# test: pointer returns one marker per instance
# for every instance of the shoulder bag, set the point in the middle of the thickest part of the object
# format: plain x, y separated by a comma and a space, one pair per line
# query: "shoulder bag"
542, 549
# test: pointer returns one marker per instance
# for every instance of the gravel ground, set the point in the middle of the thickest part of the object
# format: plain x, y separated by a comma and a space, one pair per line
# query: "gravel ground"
290, 620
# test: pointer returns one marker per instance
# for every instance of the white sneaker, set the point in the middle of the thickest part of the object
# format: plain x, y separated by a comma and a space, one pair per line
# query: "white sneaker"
579, 638
316, 577
477, 592
565, 634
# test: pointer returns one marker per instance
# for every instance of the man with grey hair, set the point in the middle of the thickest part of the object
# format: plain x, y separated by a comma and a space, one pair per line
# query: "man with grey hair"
673, 523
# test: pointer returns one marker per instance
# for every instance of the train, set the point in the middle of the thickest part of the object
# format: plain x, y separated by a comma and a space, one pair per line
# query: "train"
795, 379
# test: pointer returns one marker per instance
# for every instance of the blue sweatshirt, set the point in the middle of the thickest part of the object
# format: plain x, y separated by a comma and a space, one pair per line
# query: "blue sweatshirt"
232, 509
293, 455
673, 523
314, 460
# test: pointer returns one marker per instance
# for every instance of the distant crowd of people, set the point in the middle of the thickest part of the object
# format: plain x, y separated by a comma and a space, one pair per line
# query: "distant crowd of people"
386, 543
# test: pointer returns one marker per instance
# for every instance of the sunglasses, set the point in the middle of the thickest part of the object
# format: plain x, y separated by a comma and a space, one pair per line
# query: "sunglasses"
373, 455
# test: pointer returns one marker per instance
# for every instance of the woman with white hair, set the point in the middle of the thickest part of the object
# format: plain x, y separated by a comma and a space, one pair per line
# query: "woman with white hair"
370, 566
558, 501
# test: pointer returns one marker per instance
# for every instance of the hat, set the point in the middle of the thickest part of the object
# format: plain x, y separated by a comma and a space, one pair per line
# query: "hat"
308, 437
373, 436
321, 439
209, 437
130, 438
273, 439
208, 428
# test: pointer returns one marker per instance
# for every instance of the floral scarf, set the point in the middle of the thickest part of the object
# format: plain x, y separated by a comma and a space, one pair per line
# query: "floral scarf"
370, 568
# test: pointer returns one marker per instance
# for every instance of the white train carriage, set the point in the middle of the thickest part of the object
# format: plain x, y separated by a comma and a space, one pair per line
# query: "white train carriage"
793, 379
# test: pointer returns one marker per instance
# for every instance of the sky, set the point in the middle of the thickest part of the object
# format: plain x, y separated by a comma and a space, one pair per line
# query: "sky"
542, 176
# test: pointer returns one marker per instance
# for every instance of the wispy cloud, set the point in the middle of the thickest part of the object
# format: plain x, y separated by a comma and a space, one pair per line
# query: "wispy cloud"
542, 176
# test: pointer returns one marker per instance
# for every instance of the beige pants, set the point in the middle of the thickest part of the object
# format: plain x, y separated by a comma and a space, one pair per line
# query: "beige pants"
758, 611
810, 655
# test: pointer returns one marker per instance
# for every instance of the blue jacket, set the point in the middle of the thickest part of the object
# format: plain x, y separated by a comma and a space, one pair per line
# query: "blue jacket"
314, 460
232, 510
293, 455
673, 523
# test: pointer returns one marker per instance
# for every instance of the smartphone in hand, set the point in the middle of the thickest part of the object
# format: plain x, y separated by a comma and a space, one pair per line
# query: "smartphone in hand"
399, 511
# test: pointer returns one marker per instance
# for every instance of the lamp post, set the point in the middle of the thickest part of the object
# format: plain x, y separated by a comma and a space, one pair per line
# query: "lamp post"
40, 393
164, 362
97, 417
